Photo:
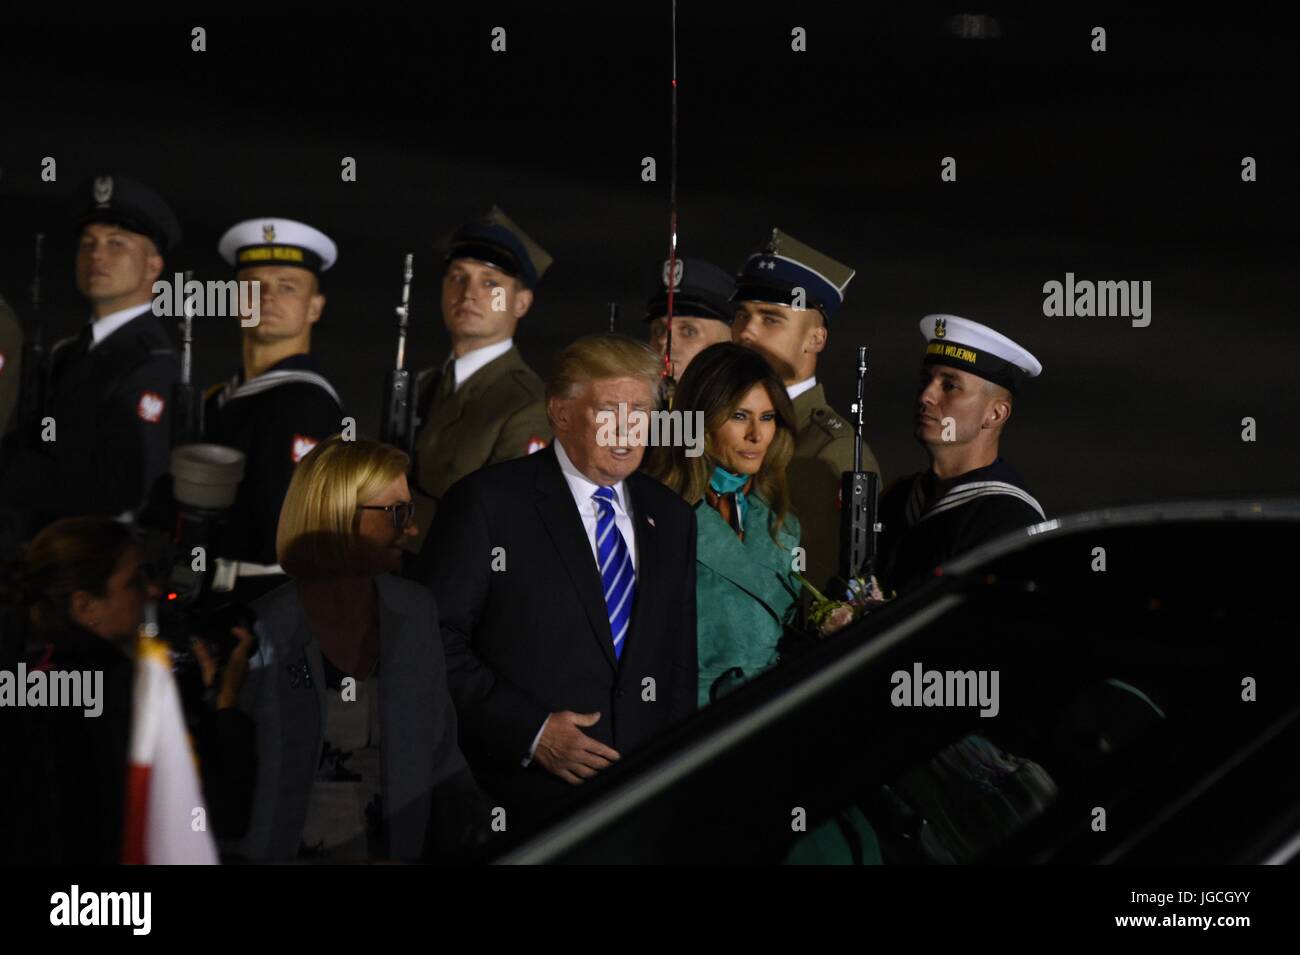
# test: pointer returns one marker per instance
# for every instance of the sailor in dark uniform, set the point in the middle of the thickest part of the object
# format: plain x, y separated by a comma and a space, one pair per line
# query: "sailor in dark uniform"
702, 310
279, 405
785, 297
969, 495
103, 437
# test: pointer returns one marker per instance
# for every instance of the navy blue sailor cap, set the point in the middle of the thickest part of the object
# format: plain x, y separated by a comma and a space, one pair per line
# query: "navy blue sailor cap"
700, 290
497, 241
129, 203
786, 264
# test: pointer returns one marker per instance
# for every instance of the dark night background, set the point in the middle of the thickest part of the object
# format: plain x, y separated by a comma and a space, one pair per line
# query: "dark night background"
1122, 165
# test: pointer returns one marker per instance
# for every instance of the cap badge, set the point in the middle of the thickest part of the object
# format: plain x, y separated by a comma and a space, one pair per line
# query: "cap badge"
940, 327
268, 231
677, 273
103, 189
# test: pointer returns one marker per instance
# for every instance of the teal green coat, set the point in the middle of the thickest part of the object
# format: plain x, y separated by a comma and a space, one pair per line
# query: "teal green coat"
744, 591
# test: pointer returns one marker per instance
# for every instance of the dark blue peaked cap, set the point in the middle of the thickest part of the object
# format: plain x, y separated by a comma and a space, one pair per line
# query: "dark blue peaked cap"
131, 204
496, 240
701, 290
786, 264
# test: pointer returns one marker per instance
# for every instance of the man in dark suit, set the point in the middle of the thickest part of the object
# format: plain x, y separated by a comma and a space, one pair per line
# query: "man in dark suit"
565, 583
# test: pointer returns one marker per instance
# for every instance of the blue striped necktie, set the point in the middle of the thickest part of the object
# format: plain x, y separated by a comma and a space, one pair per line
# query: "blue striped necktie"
616, 576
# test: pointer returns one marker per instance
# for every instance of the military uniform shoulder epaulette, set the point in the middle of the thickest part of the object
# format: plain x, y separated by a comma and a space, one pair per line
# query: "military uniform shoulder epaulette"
832, 424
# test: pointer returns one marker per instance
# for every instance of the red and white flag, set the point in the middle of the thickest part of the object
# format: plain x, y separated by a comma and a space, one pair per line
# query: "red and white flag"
166, 818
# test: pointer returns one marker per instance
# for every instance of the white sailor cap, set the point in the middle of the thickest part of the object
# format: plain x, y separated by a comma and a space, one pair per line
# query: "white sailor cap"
255, 242
960, 343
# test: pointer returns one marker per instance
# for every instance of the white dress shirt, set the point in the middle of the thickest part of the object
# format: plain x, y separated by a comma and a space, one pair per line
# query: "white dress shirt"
101, 328
799, 387
469, 363
583, 488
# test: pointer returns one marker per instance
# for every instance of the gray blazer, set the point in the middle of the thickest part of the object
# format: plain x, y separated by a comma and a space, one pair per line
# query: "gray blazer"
417, 718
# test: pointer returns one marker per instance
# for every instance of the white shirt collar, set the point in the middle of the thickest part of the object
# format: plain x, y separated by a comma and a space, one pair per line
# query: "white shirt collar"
101, 328
467, 364
581, 486
799, 387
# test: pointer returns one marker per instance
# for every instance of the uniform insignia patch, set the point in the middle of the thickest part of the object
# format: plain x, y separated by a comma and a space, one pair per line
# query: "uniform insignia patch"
150, 407
534, 444
268, 231
302, 446
678, 271
103, 189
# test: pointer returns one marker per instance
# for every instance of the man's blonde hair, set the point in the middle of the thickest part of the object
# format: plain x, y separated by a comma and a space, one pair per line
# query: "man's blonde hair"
319, 520
600, 357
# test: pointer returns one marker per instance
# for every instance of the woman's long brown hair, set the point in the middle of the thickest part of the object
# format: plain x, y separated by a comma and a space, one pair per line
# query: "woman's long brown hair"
715, 383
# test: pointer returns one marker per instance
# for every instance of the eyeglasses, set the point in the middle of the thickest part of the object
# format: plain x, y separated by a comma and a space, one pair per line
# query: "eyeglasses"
403, 512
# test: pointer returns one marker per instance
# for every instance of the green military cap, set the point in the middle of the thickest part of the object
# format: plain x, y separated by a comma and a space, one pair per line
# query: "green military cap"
496, 240
785, 264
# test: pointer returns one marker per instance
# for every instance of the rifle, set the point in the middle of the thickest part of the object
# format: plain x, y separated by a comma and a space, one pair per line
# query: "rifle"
859, 499
397, 426
31, 390
187, 425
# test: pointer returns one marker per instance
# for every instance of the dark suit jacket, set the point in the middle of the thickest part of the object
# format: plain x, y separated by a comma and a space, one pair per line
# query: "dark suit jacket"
417, 728
534, 638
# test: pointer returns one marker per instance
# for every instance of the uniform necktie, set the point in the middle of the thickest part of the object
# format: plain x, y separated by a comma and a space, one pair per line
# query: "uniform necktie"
71, 354
616, 576
447, 381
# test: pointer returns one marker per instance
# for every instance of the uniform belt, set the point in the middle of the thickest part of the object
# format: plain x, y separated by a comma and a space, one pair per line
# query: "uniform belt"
228, 571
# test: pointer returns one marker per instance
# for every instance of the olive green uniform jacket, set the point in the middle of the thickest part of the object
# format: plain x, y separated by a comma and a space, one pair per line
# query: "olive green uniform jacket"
499, 413
745, 591
823, 451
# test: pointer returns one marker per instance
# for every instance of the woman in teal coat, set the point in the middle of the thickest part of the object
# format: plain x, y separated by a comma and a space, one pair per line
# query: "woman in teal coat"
746, 587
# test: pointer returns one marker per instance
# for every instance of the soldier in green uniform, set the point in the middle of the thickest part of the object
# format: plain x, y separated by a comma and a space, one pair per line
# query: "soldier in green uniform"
484, 404
785, 297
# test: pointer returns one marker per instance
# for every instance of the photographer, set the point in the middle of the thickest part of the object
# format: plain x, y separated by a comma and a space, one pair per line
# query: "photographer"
82, 785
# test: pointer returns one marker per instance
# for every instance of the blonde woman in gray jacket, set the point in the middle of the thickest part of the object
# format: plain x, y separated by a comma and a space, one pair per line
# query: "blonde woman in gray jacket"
355, 727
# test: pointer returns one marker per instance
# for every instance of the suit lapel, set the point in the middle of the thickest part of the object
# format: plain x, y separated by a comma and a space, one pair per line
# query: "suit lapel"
559, 514
650, 566
443, 413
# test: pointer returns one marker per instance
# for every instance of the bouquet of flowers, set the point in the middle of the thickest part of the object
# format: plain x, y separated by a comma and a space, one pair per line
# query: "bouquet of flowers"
826, 615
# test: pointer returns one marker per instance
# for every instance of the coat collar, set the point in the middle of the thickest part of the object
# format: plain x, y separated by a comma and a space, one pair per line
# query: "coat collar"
441, 415
806, 403
756, 565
